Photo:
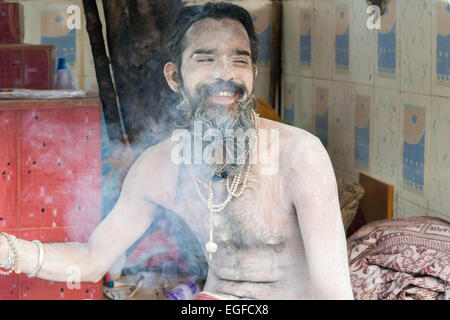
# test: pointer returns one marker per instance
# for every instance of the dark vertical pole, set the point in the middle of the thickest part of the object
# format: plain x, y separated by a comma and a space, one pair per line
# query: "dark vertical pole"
137, 35
103, 74
275, 67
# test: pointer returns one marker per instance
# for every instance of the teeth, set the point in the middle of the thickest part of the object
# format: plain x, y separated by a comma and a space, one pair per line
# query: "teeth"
225, 94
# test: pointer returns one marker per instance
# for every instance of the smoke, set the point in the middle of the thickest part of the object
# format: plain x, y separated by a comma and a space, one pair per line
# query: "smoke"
169, 238
188, 257
98, 187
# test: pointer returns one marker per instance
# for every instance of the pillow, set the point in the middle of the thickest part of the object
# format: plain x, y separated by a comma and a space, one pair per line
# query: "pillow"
349, 195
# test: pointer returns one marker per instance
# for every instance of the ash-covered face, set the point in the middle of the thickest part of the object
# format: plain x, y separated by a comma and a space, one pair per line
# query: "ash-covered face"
217, 62
217, 79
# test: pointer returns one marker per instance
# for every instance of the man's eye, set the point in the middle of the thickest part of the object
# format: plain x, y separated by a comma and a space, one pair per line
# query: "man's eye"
205, 60
241, 61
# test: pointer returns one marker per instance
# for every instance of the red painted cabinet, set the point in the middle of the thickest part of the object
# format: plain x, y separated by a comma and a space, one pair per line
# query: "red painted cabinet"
50, 183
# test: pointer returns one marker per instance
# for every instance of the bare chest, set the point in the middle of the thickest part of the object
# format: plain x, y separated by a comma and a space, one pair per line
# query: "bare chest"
258, 219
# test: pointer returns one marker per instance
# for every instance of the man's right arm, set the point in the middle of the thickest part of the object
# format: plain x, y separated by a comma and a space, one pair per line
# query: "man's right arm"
129, 219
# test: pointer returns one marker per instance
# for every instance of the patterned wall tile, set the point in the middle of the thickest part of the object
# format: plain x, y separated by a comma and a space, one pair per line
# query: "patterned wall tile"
306, 8
410, 209
413, 171
322, 39
262, 86
322, 101
289, 98
363, 106
261, 12
439, 183
388, 44
415, 144
432, 213
342, 126
362, 45
441, 48
386, 145
54, 30
415, 19
305, 104
290, 39
342, 25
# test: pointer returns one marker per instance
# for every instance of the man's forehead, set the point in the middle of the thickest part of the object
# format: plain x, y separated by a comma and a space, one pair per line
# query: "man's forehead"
224, 31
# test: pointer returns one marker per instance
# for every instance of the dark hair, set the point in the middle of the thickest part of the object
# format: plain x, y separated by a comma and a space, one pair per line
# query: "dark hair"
220, 10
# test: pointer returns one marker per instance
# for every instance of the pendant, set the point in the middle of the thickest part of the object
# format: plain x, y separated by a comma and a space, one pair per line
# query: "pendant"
211, 247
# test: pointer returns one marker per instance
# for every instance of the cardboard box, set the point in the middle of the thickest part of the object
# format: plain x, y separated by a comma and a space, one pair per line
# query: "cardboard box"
26, 66
11, 22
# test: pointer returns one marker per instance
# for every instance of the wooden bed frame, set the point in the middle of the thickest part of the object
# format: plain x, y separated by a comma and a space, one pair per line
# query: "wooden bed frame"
376, 203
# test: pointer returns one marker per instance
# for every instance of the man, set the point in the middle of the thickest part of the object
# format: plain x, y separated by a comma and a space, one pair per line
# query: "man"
276, 235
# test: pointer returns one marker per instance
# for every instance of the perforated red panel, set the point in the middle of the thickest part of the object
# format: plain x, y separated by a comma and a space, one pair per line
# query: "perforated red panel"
51, 152
9, 287
8, 169
60, 167
37, 289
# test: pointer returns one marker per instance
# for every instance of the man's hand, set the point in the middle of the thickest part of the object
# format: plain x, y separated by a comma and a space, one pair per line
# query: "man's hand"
128, 220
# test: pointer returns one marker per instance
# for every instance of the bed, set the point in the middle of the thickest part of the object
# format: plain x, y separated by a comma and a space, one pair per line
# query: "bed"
392, 259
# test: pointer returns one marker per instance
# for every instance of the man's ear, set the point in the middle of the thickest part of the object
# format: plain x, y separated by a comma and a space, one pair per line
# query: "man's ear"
170, 73
255, 71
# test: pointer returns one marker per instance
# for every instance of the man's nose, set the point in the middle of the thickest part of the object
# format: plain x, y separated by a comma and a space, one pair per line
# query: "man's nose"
223, 70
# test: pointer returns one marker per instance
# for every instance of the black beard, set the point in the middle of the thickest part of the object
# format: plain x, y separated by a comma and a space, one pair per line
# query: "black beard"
219, 117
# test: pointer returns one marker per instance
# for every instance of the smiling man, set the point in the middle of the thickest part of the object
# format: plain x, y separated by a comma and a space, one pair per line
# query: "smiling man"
266, 236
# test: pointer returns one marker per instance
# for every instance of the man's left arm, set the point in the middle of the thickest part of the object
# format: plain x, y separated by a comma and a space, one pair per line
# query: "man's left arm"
314, 194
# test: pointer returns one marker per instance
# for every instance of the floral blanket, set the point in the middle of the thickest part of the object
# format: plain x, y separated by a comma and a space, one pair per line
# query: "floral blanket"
401, 259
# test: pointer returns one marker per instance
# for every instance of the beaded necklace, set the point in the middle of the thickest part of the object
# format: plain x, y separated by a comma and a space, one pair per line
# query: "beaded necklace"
211, 246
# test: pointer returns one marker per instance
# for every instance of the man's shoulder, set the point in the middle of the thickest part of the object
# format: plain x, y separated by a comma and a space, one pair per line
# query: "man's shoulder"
292, 139
157, 160
157, 172
159, 151
300, 151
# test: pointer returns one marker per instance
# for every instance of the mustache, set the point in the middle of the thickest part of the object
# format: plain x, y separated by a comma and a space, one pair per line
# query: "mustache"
221, 85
